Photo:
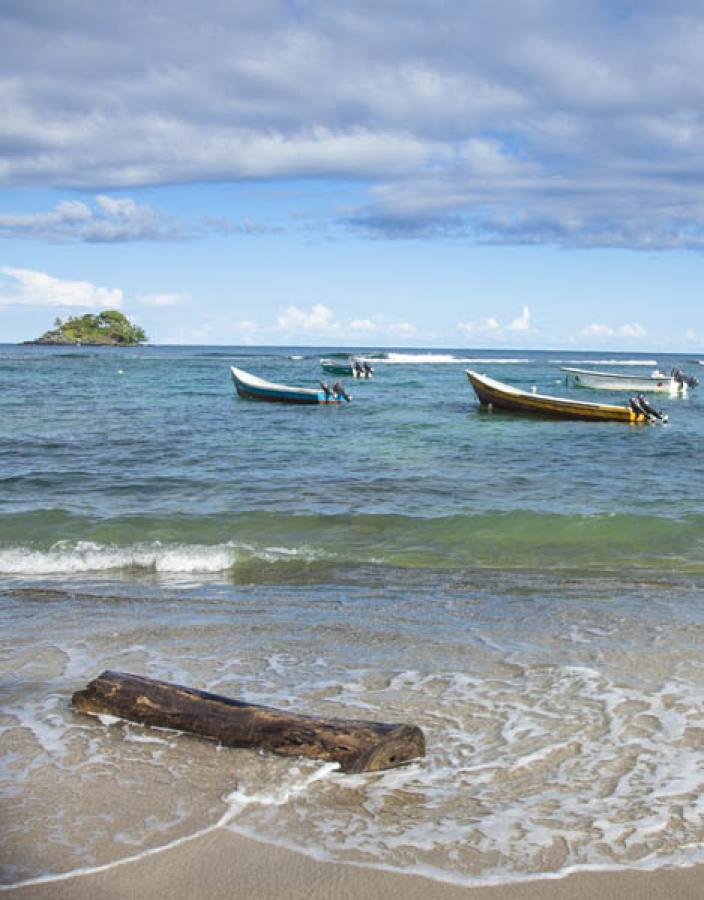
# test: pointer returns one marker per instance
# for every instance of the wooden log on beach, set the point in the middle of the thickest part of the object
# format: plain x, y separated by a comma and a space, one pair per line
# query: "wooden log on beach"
357, 745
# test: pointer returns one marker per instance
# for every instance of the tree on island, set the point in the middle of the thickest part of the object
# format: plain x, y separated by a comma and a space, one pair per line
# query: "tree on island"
107, 327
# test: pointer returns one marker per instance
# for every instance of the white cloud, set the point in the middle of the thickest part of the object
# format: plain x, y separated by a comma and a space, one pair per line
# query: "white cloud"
402, 330
490, 327
590, 121
522, 322
632, 331
318, 321
115, 219
363, 326
597, 330
483, 327
627, 330
31, 288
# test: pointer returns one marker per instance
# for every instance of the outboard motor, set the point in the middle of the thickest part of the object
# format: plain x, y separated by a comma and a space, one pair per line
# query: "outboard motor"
329, 395
683, 379
368, 371
650, 410
636, 407
339, 391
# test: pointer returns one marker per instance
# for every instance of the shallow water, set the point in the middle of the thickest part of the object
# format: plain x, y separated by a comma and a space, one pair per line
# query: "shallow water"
527, 591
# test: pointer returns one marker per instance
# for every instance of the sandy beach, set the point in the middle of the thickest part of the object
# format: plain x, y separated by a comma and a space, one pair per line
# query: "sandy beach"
222, 865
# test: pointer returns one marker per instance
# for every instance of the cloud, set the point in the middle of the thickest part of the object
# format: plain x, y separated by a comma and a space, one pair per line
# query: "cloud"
403, 330
490, 327
116, 219
524, 123
627, 330
27, 287
363, 326
522, 322
318, 321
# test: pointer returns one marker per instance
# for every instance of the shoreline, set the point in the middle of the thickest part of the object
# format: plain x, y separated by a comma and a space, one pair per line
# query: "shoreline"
222, 865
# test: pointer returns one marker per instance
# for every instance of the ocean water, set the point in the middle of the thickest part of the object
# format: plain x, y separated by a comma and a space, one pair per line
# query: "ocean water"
528, 591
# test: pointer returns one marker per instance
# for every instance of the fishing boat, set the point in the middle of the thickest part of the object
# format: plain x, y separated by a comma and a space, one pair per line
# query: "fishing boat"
353, 368
253, 388
492, 393
675, 384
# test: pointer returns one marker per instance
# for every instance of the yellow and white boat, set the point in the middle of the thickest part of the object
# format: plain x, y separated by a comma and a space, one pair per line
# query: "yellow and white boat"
496, 394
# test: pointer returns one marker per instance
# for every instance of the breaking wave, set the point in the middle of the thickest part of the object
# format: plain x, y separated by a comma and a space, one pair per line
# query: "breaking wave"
253, 543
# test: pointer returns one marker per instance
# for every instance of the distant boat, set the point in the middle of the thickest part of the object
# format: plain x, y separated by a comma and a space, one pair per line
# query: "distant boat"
675, 384
353, 368
253, 388
493, 393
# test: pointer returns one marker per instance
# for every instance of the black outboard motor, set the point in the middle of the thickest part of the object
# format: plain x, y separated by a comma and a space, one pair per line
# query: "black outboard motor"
683, 379
339, 391
329, 395
650, 410
637, 408
368, 371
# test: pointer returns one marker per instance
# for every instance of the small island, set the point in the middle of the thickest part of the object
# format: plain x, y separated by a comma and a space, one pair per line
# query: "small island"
107, 327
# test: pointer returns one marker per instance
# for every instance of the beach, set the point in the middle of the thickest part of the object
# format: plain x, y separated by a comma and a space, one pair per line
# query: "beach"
528, 592
222, 865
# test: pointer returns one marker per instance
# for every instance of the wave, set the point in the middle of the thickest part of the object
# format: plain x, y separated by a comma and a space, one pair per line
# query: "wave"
606, 362
251, 545
420, 358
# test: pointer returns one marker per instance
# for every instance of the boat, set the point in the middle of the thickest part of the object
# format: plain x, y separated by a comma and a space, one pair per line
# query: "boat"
492, 393
353, 368
252, 387
675, 384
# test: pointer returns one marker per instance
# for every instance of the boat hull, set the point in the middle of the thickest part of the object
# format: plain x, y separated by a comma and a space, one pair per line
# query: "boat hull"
337, 369
342, 368
249, 387
608, 381
496, 394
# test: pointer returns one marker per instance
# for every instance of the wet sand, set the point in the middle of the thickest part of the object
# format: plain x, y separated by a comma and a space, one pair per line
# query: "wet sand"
221, 865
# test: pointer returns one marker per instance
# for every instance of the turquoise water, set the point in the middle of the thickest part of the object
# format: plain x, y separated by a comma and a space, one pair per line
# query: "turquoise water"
528, 590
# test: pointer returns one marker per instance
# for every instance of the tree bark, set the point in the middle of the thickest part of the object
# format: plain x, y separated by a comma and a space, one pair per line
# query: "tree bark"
357, 745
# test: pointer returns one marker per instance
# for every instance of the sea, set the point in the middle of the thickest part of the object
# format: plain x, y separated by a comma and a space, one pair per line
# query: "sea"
530, 592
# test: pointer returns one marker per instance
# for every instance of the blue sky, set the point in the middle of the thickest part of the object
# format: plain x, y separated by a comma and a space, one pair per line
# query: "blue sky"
430, 173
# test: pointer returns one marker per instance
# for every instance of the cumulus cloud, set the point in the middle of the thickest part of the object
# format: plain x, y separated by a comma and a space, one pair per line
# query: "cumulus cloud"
26, 287
522, 322
518, 123
320, 322
627, 330
113, 219
490, 327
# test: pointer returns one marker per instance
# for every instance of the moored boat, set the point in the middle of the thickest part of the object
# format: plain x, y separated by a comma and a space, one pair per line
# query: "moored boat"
251, 387
675, 384
353, 368
494, 393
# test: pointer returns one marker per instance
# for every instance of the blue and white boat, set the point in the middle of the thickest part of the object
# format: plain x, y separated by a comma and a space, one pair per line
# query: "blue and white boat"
253, 388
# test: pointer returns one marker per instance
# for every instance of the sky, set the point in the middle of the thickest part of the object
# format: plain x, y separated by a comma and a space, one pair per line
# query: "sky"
406, 173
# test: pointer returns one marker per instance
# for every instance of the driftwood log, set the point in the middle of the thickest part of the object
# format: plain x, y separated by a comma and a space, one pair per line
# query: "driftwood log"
357, 745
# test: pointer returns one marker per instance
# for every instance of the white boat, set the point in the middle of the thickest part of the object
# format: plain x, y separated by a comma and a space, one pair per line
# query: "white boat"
675, 384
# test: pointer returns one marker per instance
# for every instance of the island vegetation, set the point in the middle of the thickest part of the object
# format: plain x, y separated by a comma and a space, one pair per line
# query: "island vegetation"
107, 327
